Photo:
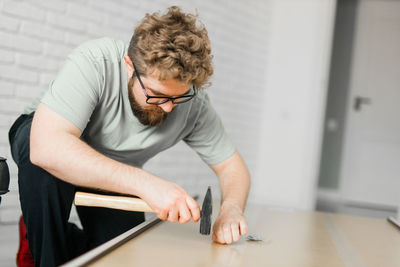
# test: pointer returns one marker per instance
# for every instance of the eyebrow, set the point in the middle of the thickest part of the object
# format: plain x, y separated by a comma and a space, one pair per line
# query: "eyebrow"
161, 94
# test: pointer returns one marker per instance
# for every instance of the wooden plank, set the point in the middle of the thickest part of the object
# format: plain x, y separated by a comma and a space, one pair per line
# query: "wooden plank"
376, 241
297, 239
291, 238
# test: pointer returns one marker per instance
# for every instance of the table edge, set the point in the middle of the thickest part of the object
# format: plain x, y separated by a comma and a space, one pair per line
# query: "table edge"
99, 251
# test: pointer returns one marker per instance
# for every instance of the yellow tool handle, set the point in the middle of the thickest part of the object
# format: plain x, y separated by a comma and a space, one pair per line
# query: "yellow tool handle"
112, 202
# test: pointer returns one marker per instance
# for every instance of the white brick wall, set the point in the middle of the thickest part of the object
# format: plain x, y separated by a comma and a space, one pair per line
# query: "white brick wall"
37, 35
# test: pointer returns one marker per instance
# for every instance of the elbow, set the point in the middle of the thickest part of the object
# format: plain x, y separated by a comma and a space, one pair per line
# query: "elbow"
34, 156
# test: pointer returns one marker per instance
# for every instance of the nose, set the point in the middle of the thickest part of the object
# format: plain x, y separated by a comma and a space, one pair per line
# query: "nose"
167, 106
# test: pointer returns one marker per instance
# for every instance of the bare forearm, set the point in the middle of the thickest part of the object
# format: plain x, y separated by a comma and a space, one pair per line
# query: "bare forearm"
56, 147
73, 161
234, 182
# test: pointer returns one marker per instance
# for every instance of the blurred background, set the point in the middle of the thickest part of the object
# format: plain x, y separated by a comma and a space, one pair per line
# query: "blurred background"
308, 91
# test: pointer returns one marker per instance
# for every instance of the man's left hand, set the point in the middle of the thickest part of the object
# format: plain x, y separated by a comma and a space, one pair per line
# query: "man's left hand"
230, 224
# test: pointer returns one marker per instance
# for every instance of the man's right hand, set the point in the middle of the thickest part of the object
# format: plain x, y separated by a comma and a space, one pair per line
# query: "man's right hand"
170, 201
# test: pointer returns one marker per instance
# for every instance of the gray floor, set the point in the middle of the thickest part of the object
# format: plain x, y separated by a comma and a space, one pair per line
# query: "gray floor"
8, 244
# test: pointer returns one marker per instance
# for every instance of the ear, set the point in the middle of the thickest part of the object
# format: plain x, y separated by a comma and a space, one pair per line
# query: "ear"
129, 65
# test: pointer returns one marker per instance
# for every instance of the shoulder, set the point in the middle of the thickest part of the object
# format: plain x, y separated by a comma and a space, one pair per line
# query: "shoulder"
200, 107
102, 48
202, 100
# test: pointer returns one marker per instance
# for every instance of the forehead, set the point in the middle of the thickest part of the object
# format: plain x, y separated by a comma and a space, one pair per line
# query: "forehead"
169, 86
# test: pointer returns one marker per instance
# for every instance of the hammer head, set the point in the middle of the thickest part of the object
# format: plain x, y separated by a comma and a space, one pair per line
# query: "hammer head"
206, 211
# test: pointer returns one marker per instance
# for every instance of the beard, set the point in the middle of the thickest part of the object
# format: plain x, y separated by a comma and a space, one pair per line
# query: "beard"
152, 115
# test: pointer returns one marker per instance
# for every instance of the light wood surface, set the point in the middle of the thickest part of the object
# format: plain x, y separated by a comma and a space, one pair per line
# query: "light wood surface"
291, 238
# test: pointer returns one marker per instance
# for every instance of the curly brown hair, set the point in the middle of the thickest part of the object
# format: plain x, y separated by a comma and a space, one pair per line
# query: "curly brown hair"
175, 45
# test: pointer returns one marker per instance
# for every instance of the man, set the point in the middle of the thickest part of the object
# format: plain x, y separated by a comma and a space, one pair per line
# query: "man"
109, 110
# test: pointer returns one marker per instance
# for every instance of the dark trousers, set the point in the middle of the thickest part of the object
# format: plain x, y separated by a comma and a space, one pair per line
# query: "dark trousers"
46, 203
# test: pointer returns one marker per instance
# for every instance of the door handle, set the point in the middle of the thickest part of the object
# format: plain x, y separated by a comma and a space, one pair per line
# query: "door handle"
360, 100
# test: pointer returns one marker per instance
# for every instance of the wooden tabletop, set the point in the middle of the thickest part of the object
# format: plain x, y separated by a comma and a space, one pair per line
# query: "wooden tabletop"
290, 238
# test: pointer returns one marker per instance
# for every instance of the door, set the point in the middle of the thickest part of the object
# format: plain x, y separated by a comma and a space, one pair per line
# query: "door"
371, 160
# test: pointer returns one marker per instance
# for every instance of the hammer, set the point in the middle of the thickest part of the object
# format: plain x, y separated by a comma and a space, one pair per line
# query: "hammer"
137, 204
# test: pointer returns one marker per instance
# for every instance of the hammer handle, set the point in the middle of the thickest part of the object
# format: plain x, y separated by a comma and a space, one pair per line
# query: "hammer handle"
113, 202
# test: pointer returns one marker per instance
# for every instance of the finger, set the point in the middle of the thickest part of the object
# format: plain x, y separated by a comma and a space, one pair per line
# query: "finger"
214, 232
163, 215
235, 232
214, 237
220, 236
243, 227
227, 234
173, 215
184, 213
194, 208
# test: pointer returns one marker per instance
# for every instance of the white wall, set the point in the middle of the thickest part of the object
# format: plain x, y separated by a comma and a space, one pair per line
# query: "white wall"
297, 73
37, 35
269, 83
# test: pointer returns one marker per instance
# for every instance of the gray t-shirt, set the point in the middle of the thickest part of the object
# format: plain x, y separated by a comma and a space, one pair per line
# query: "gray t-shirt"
91, 91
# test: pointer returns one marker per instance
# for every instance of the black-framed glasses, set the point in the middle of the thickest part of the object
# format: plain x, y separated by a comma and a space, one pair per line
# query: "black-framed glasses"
158, 100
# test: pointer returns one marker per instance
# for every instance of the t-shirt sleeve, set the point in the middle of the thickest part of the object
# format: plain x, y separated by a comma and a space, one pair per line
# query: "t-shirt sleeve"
208, 137
75, 91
